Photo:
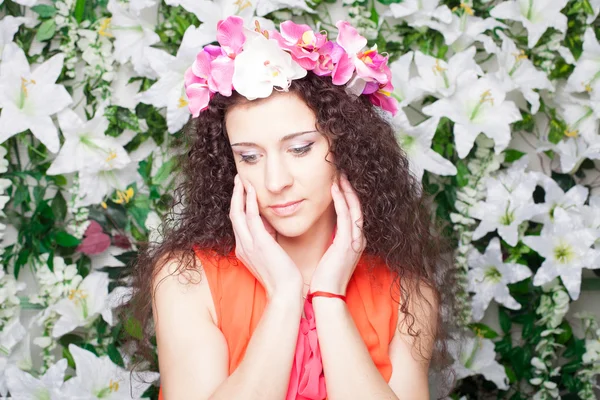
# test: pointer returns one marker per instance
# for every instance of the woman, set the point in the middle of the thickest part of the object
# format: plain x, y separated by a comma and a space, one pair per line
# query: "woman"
302, 263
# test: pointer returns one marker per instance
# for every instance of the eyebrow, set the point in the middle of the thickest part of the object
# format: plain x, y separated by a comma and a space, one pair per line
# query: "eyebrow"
283, 139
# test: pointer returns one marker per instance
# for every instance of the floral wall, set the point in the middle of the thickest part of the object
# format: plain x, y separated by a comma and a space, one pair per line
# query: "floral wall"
500, 111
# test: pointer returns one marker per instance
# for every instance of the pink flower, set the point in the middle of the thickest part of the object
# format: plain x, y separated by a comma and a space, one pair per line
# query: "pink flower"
230, 35
382, 97
369, 64
301, 41
334, 61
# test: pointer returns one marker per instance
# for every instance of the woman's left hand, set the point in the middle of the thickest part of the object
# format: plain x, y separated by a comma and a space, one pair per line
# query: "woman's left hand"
339, 261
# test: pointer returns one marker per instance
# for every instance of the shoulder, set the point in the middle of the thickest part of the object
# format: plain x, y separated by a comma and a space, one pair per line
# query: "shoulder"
181, 277
418, 314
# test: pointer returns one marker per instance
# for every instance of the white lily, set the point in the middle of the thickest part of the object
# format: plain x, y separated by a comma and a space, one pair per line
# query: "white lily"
590, 215
10, 335
586, 76
99, 377
439, 77
24, 96
489, 277
516, 71
419, 13
581, 115
24, 386
9, 25
416, 142
265, 7
508, 202
107, 258
83, 305
86, 146
254, 77
95, 186
477, 356
565, 245
535, 15
574, 150
555, 197
404, 89
477, 107
169, 90
465, 28
133, 36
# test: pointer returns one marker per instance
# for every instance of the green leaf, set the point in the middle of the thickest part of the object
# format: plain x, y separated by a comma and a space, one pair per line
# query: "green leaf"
557, 130
566, 334
134, 328
163, 172
59, 206
483, 330
505, 322
115, 356
79, 10
46, 30
462, 174
22, 259
44, 10
511, 155
66, 240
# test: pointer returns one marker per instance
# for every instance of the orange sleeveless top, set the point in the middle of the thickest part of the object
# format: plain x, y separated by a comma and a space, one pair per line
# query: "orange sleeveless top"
240, 300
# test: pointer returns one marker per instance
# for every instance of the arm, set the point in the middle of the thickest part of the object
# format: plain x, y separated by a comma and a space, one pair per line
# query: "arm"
193, 353
349, 370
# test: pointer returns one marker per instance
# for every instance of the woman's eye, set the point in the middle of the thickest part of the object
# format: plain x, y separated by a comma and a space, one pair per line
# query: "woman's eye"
302, 150
250, 159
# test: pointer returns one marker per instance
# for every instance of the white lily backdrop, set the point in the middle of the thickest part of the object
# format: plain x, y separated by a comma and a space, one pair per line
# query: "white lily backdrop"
500, 114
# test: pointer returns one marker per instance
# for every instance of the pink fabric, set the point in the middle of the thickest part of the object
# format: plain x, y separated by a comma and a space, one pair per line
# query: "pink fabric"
307, 381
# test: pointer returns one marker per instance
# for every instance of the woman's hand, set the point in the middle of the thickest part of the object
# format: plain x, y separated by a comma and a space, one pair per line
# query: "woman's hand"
256, 246
339, 261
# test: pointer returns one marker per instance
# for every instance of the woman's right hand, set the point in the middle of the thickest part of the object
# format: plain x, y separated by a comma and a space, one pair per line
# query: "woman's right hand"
257, 248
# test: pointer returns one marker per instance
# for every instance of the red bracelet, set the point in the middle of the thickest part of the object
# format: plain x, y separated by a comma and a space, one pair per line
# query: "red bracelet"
319, 293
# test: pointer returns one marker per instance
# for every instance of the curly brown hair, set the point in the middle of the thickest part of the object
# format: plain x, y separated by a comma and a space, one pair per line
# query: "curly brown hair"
398, 220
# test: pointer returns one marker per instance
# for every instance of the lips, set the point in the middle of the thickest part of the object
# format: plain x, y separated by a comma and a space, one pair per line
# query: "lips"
286, 209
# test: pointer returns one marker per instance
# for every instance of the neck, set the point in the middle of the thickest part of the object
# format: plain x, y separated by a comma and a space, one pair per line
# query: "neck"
307, 249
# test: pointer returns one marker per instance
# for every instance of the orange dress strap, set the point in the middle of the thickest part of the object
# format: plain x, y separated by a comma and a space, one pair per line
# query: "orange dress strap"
240, 300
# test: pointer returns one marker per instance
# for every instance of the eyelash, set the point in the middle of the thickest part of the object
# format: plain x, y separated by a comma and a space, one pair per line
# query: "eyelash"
298, 152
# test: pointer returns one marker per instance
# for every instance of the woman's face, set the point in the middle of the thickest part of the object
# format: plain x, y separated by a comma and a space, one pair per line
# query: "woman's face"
277, 149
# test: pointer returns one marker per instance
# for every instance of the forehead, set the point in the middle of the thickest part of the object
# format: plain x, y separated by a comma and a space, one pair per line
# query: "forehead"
267, 120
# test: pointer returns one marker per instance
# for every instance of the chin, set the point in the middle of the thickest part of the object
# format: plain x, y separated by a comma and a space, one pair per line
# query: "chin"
291, 227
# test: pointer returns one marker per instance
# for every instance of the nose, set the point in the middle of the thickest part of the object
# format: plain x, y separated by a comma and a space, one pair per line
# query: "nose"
277, 175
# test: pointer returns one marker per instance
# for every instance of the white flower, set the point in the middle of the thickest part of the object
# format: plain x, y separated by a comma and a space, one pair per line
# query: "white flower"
263, 65
535, 15
515, 71
416, 142
24, 386
439, 77
509, 201
476, 356
555, 197
9, 25
477, 107
464, 29
99, 377
86, 146
132, 37
581, 115
574, 150
169, 91
419, 13
10, 335
404, 90
107, 258
25, 94
96, 185
489, 277
83, 305
565, 245
586, 76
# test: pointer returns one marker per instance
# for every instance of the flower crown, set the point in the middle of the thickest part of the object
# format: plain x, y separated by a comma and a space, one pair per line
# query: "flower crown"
254, 62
